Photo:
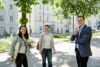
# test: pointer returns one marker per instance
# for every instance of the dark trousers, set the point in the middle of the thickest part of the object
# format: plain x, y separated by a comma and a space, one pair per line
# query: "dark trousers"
21, 60
81, 61
47, 53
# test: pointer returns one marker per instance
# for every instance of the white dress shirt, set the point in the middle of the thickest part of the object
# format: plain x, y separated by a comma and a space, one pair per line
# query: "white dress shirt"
77, 45
47, 39
23, 47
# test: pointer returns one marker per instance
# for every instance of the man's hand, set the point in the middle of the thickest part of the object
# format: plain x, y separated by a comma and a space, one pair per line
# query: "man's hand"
76, 31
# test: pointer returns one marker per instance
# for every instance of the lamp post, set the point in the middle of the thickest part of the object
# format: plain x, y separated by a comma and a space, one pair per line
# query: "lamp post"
43, 16
73, 24
30, 30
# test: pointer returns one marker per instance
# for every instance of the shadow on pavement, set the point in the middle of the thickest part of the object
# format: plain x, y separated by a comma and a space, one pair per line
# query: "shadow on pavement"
63, 59
95, 42
33, 61
94, 62
7, 63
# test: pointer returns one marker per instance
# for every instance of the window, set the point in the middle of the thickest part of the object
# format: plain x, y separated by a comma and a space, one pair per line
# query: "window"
2, 30
40, 28
11, 7
11, 30
1, 18
11, 18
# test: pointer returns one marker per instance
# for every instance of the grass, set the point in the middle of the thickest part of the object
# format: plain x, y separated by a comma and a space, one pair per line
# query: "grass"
5, 43
59, 38
96, 33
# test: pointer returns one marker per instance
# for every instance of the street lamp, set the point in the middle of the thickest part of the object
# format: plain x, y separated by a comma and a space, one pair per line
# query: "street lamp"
43, 15
73, 23
30, 30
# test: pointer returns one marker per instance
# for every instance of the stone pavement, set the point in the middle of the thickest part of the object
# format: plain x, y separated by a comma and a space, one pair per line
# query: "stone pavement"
64, 57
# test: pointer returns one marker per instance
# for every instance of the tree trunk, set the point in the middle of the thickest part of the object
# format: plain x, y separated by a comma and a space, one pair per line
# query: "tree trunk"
24, 19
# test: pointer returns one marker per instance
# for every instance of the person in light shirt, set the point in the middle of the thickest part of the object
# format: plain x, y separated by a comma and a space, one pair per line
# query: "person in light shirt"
46, 46
19, 47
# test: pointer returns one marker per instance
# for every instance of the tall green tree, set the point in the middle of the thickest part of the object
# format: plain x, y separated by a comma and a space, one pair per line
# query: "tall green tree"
67, 8
25, 8
75, 7
80, 7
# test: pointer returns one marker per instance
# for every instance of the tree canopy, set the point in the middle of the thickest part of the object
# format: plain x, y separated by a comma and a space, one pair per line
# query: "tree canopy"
75, 7
25, 5
61, 8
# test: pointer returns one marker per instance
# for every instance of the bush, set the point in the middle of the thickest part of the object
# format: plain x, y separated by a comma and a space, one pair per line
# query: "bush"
56, 36
5, 43
61, 36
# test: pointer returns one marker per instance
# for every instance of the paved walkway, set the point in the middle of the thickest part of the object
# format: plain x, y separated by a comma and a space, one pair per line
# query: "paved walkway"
64, 57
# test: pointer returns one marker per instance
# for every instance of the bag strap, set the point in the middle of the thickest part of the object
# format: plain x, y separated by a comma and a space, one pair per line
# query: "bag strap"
25, 44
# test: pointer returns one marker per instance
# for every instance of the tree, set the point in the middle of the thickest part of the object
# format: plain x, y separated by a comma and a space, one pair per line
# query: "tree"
80, 7
64, 9
75, 7
25, 8
1, 4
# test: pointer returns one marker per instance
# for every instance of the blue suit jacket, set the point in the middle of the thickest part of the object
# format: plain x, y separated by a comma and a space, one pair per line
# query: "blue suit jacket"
83, 40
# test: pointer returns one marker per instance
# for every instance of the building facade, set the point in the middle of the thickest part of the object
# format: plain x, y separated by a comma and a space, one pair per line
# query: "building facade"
41, 15
9, 18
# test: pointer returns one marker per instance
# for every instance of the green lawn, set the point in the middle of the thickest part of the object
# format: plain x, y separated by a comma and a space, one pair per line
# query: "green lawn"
62, 38
96, 33
5, 43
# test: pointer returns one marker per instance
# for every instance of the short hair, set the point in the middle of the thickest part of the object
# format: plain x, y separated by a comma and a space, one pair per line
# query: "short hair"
81, 17
47, 26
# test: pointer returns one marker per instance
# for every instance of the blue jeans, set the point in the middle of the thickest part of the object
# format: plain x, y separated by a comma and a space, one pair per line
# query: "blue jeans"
47, 53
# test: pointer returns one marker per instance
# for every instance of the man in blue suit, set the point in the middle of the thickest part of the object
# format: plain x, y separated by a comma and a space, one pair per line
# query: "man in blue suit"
82, 37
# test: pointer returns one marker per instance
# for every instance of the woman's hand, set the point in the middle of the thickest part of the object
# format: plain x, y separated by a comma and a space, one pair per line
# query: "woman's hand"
40, 51
12, 59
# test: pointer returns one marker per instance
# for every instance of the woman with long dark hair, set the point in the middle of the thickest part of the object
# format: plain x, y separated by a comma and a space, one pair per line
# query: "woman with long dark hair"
19, 47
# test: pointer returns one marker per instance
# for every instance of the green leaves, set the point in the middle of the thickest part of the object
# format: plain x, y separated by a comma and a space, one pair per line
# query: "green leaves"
63, 8
45, 1
25, 5
79, 7
76, 7
1, 4
23, 21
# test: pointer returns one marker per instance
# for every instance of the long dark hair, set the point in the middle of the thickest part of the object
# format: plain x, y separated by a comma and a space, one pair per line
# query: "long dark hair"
26, 34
